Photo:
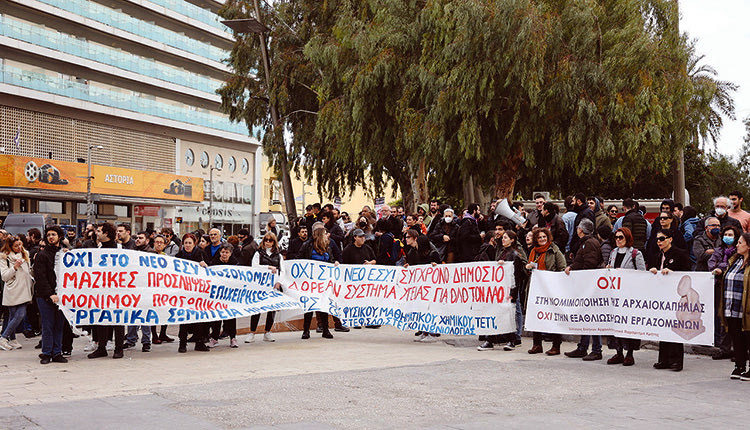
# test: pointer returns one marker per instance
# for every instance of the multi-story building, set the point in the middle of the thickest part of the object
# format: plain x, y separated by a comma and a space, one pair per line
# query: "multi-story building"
133, 82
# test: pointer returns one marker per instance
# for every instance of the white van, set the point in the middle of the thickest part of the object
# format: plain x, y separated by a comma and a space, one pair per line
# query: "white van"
21, 223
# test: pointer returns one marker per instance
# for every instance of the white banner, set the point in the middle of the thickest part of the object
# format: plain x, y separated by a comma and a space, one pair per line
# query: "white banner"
678, 307
122, 287
460, 299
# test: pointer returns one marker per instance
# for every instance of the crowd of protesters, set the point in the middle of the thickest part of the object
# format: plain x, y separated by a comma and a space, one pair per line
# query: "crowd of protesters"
584, 236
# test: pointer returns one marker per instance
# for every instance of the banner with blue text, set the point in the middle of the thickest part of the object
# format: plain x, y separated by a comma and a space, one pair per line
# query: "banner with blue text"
123, 287
676, 307
460, 299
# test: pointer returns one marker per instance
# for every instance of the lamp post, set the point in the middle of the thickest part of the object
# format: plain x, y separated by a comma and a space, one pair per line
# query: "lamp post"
89, 203
254, 25
211, 195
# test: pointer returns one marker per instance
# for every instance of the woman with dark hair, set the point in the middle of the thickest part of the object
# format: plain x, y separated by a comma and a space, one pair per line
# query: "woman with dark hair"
735, 306
545, 255
317, 249
508, 250
204, 241
666, 221
624, 256
719, 260
267, 255
226, 258
669, 258
189, 251
18, 289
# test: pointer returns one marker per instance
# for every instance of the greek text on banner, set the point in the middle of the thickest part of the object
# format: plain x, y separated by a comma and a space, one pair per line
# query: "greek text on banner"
461, 299
677, 307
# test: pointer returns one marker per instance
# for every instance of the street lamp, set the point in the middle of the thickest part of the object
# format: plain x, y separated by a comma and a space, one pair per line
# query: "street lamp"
89, 203
211, 195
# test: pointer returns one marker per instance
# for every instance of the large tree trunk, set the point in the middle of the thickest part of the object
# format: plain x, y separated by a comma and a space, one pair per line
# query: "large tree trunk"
407, 192
505, 178
469, 190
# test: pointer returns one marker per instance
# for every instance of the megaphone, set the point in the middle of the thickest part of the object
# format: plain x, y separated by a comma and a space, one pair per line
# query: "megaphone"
504, 209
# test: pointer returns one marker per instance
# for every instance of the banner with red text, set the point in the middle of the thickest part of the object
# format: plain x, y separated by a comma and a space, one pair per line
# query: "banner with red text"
123, 287
460, 299
677, 307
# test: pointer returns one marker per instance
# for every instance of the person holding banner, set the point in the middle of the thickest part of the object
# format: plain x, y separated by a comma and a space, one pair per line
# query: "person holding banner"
191, 252
735, 308
509, 251
545, 255
45, 292
625, 256
318, 249
226, 258
671, 259
588, 255
106, 234
267, 255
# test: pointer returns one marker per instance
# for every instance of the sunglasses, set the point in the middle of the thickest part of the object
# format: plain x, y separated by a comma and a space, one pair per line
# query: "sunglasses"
661, 238
613, 211
618, 237
267, 240
663, 218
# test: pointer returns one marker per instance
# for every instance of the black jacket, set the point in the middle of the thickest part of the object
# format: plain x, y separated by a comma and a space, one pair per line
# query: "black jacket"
674, 259
246, 251
44, 272
354, 255
468, 240
196, 255
413, 258
638, 226
582, 212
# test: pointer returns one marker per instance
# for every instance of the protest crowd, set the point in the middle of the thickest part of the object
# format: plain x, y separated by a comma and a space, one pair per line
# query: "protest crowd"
585, 236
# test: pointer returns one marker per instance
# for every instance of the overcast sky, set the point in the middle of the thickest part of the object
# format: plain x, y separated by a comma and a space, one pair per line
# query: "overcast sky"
723, 36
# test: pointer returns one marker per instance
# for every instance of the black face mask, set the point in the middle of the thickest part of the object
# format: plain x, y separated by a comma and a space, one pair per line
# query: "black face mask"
363, 224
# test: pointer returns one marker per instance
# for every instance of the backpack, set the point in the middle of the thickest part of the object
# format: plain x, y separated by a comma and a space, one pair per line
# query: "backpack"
396, 253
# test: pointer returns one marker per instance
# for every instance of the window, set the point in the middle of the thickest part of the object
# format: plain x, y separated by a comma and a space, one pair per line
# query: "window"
189, 157
204, 159
51, 207
245, 166
232, 164
218, 161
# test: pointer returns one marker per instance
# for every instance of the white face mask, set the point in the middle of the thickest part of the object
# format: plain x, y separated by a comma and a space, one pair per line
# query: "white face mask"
720, 211
448, 219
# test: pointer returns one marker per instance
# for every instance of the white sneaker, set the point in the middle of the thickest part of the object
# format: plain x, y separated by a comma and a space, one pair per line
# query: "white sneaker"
267, 337
15, 344
110, 346
250, 338
5, 344
233, 343
90, 347
429, 339
420, 337
212, 343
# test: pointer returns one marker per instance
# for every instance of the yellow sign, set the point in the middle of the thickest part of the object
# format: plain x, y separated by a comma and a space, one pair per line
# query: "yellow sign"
38, 173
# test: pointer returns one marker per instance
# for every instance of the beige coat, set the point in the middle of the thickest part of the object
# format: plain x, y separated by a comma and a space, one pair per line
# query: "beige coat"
19, 285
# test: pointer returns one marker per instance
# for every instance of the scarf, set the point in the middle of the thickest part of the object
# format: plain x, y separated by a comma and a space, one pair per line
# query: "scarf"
537, 255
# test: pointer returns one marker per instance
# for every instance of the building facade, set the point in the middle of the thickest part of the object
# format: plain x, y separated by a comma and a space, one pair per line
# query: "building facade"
133, 82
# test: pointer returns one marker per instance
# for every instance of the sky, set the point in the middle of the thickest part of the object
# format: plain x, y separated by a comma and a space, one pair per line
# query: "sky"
722, 33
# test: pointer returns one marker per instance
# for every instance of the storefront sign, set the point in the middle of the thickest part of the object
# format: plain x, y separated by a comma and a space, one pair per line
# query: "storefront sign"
39, 173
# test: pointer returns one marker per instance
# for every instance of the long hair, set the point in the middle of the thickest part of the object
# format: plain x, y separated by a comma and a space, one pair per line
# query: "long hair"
320, 240
8, 247
275, 243
513, 239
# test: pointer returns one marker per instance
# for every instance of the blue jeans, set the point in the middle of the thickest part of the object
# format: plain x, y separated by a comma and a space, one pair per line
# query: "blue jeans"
53, 324
519, 320
583, 345
132, 336
16, 314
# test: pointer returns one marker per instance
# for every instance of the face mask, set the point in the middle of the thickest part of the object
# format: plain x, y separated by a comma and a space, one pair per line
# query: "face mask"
715, 231
729, 240
720, 211
363, 224
448, 219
